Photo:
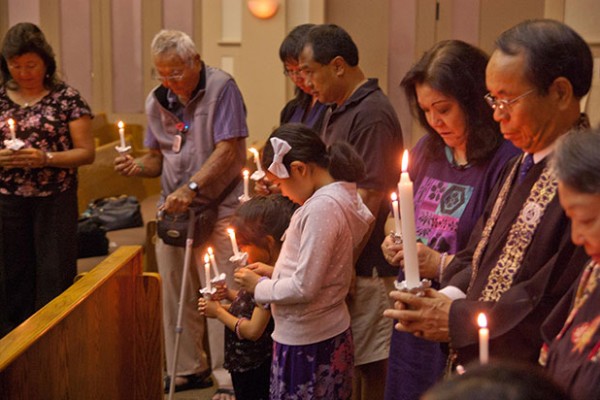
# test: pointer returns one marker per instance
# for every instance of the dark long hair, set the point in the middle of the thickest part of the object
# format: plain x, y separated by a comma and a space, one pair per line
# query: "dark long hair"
340, 159
23, 38
262, 216
457, 70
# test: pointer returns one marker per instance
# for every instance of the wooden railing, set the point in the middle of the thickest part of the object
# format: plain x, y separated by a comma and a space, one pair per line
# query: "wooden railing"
100, 339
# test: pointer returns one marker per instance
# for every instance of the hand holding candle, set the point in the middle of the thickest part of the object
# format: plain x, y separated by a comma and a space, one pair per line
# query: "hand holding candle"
484, 337
409, 235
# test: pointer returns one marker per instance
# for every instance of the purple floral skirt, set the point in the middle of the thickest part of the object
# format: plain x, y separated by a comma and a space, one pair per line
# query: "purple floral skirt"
315, 371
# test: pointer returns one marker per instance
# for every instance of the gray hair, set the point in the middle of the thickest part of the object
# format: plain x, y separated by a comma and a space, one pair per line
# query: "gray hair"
174, 42
576, 160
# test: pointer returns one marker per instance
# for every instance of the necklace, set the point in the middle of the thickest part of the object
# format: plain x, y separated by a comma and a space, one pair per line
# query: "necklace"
26, 101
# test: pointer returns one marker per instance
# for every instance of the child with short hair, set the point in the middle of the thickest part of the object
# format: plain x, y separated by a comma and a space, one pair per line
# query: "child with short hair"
313, 348
259, 224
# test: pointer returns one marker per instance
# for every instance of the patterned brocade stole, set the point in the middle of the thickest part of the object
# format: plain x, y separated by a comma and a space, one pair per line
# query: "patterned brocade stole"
521, 233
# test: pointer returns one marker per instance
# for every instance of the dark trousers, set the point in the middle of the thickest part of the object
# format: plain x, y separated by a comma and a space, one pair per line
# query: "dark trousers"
253, 384
38, 253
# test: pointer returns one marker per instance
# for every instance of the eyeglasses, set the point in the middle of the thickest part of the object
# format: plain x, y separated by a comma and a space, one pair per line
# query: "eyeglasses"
504, 104
292, 73
170, 78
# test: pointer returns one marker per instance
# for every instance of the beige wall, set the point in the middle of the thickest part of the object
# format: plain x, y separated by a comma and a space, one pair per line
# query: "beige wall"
390, 34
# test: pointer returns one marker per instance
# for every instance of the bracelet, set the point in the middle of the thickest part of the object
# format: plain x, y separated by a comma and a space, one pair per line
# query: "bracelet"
442, 265
140, 164
237, 327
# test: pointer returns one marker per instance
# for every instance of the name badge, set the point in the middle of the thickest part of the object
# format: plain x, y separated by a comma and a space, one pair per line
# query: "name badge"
177, 142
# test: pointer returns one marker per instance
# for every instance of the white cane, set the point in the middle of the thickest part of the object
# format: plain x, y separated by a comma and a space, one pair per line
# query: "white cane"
178, 327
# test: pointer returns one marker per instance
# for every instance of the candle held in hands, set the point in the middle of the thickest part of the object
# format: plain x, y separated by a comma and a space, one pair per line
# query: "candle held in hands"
121, 126
396, 214
246, 175
11, 126
234, 246
256, 158
213, 262
484, 338
409, 235
207, 272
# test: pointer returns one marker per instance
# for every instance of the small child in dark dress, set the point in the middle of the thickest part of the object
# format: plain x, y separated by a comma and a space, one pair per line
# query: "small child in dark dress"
259, 224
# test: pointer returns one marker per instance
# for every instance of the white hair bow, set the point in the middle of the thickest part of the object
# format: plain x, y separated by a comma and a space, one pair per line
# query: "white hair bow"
280, 149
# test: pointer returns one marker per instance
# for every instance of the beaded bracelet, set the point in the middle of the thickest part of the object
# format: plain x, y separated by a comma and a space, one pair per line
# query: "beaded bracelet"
237, 327
442, 265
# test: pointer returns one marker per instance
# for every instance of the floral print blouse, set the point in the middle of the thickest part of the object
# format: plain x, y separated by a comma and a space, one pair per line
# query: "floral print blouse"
43, 125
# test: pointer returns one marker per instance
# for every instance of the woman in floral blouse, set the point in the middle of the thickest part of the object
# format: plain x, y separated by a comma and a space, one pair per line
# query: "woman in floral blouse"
572, 357
45, 135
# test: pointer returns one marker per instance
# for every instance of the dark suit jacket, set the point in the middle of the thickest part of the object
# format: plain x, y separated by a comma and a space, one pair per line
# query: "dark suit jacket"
545, 276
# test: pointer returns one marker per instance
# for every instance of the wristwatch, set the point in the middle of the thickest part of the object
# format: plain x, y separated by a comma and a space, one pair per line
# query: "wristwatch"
193, 186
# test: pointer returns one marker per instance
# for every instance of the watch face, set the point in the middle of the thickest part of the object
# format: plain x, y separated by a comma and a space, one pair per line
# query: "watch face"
193, 186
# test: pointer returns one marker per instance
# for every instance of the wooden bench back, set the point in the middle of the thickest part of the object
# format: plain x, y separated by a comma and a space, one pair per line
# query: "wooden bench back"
100, 339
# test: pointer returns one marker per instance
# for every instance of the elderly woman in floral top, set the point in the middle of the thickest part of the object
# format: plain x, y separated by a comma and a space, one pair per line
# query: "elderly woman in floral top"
572, 356
46, 135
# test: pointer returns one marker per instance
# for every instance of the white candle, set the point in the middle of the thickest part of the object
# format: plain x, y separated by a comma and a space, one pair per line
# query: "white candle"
396, 215
246, 188
409, 235
484, 338
207, 271
256, 158
121, 126
11, 126
234, 246
213, 262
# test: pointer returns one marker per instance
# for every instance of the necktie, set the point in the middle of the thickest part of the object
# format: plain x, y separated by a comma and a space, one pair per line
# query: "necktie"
525, 167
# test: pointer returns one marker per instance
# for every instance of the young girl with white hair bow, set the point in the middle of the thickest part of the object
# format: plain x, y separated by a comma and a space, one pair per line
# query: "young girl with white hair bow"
313, 353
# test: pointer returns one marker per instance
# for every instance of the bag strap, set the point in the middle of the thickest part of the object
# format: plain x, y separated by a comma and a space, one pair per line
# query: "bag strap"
226, 191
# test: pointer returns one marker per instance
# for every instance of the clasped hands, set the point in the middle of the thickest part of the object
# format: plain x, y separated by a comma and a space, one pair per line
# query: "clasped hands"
248, 276
429, 259
424, 316
23, 158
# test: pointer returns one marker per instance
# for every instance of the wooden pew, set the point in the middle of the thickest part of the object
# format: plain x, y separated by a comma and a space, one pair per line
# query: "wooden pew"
100, 339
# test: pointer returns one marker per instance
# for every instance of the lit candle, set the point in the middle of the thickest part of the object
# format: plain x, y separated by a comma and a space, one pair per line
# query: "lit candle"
396, 215
236, 250
207, 272
484, 338
246, 188
256, 158
121, 126
213, 262
409, 235
11, 126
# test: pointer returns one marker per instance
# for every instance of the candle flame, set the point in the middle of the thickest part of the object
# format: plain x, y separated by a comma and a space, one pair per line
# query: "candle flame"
394, 196
11, 122
230, 231
245, 173
253, 151
206, 259
405, 161
482, 320
121, 125
210, 251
